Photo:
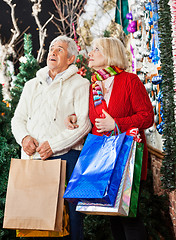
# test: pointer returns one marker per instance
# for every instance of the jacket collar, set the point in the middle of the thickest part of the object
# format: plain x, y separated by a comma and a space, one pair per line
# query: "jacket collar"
43, 73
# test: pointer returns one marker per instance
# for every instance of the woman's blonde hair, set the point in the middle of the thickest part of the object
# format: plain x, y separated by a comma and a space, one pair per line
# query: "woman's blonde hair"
113, 50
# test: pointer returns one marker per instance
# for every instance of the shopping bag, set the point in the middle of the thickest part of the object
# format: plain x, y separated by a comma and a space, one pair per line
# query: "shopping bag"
42, 233
99, 169
34, 198
124, 205
122, 202
136, 180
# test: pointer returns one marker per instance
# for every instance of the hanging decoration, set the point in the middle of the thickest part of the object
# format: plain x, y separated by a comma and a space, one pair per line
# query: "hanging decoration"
145, 50
132, 27
83, 69
153, 8
120, 14
75, 37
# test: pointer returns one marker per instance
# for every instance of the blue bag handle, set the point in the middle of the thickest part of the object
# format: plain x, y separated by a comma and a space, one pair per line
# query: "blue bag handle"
115, 131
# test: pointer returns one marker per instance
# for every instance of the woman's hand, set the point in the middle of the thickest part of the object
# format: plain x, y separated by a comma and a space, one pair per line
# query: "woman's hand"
105, 124
70, 122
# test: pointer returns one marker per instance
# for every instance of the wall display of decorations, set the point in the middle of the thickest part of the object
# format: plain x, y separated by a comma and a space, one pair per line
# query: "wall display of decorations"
143, 28
152, 28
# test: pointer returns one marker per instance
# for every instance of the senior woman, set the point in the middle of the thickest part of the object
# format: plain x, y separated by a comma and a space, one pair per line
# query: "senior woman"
117, 97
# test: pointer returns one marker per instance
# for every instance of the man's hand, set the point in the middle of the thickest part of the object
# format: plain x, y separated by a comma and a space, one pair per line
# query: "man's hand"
29, 145
70, 122
44, 150
105, 124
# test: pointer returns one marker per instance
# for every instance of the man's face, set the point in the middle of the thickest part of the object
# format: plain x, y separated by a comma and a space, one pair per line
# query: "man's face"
57, 59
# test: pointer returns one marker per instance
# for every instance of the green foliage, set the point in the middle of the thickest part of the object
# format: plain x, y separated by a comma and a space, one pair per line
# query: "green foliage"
7, 151
97, 228
168, 169
4, 113
107, 33
82, 64
8, 146
154, 210
5, 129
27, 71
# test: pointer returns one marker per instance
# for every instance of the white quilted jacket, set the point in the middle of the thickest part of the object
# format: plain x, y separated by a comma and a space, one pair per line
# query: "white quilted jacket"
43, 108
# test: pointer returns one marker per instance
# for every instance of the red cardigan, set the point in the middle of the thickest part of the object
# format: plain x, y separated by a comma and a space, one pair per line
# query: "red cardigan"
130, 106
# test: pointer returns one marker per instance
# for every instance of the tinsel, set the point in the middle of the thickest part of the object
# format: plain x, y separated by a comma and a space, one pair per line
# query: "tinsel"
168, 105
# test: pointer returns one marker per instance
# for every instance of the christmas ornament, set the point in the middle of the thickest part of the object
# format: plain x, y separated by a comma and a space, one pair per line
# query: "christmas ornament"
155, 17
157, 79
148, 86
148, 6
150, 21
141, 77
156, 119
138, 57
134, 24
137, 34
132, 27
138, 42
129, 16
133, 59
154, 102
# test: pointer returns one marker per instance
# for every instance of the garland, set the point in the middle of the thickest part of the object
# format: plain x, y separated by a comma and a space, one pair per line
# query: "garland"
173, 14
167, 104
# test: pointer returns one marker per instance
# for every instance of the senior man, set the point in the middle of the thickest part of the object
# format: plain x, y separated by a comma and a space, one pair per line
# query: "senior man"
38, 123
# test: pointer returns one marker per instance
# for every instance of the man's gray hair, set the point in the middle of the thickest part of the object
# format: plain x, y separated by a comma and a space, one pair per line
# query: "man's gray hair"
72, 47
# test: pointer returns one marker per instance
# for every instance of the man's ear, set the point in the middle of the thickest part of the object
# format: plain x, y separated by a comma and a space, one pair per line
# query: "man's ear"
71, 59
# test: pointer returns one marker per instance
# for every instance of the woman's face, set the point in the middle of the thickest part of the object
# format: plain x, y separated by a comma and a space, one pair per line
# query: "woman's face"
96, 59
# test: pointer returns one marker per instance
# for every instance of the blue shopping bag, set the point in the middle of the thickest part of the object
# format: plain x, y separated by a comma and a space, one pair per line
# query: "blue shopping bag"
99, 169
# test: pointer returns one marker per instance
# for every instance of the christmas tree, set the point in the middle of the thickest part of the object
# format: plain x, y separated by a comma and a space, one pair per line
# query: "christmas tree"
8, 149
4, 117
28, 69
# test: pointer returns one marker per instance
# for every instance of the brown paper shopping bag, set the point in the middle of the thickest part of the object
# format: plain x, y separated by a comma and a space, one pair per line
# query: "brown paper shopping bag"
43, 233
34, 198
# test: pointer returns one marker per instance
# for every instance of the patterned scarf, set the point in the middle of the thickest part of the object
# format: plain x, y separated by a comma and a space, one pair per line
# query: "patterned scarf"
100, 75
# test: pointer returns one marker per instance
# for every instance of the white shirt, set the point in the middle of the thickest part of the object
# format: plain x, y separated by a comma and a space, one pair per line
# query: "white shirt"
49, 79
108, 84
